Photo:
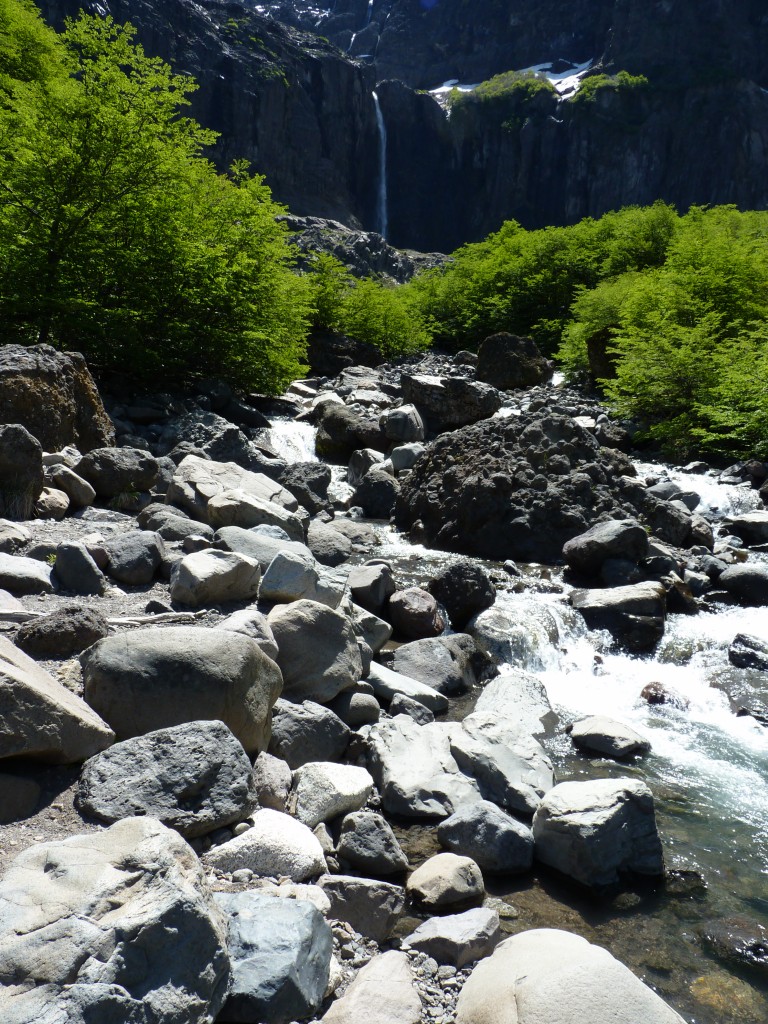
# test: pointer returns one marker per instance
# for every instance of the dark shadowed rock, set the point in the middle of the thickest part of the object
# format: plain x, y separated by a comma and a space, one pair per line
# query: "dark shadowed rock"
414, 614
62, 633
135, 558
464, 589
368, 843
495, 841
376, 493
307, 732
370, 906
76, 571
21, 470
619, 539
633, 615
747, 583
748, 652
509, 362
114, 471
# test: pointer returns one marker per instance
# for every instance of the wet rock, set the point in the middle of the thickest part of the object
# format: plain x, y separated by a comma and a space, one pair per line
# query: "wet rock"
464, 589
415, 771
658, 693
450, 664
21, 469
510, 362
376, 493
115, 471
135, 558
749, 652
20, 575
134, 934
414, 614
596, 831
624, 539
446, 880
276, 845
368, 843
389, 972
387, 684
602, 735
323, 790
317, 650
495, 841
212, 577
62, 633
739, 941
751, 527
516, 633
76, 571
556, 976
150, 679
307, 732
272, 779
446, 403
747, 583
371, 586
40, 718
519, 699
361, 461
371, 907
457, 939
634, 616
194, 778
281, 956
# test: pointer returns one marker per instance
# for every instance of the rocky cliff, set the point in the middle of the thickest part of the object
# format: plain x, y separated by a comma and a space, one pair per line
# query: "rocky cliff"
301, 107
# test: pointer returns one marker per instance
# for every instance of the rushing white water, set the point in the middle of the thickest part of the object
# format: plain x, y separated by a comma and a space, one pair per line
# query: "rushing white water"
717, 500
292, 440
382, 215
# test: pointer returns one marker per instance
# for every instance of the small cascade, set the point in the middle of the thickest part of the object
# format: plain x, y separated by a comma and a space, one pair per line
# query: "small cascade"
382, 217
369, 12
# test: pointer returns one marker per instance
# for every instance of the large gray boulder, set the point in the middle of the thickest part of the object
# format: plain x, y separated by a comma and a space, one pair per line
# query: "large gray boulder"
551, 976
196, 481
752, 527
151, 679
281, 957
60, 634
495, 841
619, 538
414, 769
597, 831
388, 973
112, 926
445, 880
307, 732
257, 544
414, 614
135, 558
75, 570
633, 615
369, 906
369, 845
602, 735
20, 575
510, 767
40, 718
457, 939
519, 700
323, 790
274, 846
21, 471
253, 623
328, 546
450, 664
748, 583
295, 575
194, 778
317, 650
114, 471
238, 507
387, 684
214, 577
449, 402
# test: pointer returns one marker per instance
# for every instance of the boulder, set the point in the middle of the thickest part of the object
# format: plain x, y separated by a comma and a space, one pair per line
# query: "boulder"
509, 766
80, 493
116, 925
509, 362
341, 431
388, 973
496, 842
457, 939
238, 507
40, 718
748, 583
402, 705
329, 546
280, 952
446, 403
308, 482
634, 616
21, 469
54, 396
293, 575
415, 771
60, 634
623, 538
387, 684
405, 455
596, 831
376, 493
173, 525
12, 537
446, 880
370, 907
114, 471
276, 845
257, 544
360, 462
449, 664
558, 977
371, 586
273, 779
152, 678
464, 589
751, 527
601, 735
369, 845
317, 650
520, 632
741, 942
323, 790
749, 652
52, 504
356, 707
20, 575
135, 558
369, 627
414, 614
196, 481
520, 700
403, 424
253, 623
76, 571
214, 577
307, 732
194, 778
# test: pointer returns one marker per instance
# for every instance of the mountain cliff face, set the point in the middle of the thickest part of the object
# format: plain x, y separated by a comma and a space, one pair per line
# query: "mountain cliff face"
289, 84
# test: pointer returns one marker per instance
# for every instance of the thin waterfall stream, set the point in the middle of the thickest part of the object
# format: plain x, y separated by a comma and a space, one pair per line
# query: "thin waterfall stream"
382, 213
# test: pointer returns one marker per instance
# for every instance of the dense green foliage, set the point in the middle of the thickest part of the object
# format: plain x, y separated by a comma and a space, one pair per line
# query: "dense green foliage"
620, 82
508, 84
117, 237
668, 313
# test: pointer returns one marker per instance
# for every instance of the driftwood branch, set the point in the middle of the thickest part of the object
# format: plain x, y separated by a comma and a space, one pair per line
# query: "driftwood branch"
22, 615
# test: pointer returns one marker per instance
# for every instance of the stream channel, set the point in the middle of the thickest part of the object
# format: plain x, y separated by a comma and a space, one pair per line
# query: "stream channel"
708, 768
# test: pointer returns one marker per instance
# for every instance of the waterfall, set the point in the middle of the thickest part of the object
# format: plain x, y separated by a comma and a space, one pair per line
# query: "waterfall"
369, 12
382, 224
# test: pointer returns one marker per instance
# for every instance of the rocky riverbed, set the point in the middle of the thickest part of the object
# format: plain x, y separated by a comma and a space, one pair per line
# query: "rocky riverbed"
269, 758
